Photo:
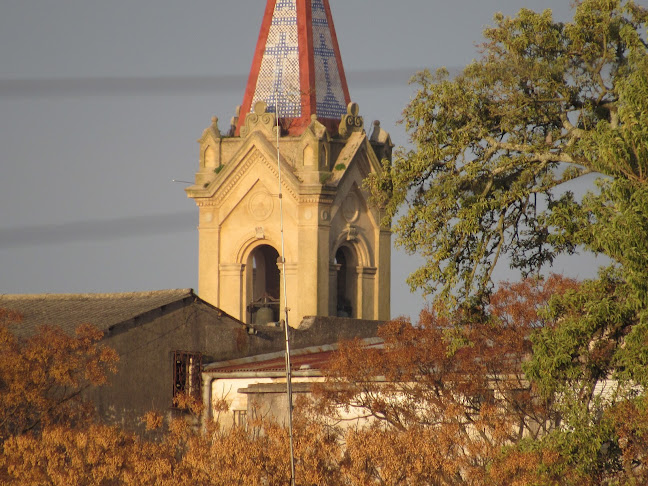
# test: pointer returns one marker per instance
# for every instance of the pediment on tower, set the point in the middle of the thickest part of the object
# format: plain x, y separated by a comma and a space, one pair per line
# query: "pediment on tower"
356, 161
255, 160
251, 203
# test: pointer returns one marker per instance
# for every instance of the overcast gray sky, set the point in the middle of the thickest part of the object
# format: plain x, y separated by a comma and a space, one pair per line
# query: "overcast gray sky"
101, 104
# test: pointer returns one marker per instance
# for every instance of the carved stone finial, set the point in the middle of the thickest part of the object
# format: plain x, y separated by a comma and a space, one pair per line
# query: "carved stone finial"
259, 120
351, 122
379, 135
211, 131
260, 107
214, 127
316, 128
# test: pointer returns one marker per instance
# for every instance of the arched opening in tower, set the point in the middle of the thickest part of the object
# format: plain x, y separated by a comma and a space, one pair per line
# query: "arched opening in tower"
347, 282
263, 285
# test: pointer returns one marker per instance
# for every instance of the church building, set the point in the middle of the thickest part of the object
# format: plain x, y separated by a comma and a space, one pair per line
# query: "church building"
294, 158
296, 152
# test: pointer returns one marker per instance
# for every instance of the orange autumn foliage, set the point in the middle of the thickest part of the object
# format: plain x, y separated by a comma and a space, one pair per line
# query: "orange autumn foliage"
100, 455
446, 395
446, 398
42, 377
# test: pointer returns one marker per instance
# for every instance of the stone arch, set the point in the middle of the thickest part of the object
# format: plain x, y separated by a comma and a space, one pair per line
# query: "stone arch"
346, 288
210, 157
262, 284
251, 241
352, 276
309, 156
359, 245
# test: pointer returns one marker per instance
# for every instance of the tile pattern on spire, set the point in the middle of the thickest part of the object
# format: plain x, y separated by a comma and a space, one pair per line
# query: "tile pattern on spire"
278, 82
330, 94
297, 68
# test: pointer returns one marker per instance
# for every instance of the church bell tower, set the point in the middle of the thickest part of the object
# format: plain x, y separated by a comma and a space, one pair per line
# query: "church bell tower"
296, 117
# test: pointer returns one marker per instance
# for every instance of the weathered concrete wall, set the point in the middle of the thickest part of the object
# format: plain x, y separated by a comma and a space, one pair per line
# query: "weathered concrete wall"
146, 347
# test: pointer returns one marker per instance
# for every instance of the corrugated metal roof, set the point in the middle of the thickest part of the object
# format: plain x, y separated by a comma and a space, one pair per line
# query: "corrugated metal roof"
311, 361
312, 358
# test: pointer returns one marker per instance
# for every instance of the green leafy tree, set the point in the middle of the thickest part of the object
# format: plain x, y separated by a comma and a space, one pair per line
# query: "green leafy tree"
495, 147
496, 153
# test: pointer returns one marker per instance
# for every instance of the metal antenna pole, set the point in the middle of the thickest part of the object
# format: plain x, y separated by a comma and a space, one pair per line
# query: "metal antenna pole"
286, 309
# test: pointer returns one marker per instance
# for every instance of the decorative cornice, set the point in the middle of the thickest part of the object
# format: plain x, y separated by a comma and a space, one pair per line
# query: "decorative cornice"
236, 177
316, 199
205, 203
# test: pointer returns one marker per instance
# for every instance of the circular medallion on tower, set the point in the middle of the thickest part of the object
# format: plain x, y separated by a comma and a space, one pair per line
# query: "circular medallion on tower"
351, 208
261, 205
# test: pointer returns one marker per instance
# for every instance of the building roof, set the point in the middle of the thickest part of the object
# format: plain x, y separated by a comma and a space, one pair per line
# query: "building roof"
70, 310
297, 68
311, 358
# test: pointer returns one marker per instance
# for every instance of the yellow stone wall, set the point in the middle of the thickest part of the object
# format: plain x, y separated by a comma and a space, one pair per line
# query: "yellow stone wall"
325, 208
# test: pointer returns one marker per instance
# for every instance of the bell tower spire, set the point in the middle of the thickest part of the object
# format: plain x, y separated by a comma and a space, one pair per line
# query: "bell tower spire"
297, 127
297, 68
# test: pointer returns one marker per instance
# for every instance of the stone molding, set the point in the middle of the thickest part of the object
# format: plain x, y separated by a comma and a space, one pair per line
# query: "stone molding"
207, 203
310, 199
366, 271
254, 157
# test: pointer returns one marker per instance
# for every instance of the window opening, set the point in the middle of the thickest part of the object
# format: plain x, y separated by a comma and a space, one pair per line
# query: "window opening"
346, 283
187, 379
240, 418
264, 284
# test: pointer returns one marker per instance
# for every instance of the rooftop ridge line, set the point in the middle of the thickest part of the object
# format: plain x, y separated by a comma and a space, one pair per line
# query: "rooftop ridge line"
95, 296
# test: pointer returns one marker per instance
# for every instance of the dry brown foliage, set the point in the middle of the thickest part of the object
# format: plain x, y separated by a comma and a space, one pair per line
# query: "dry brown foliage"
446, 402
42, 377
446, 395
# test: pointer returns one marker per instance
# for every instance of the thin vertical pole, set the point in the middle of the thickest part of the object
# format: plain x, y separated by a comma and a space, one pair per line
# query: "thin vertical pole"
286, 309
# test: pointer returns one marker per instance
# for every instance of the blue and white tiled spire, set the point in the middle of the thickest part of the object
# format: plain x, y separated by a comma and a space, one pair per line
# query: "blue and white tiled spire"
278, 83
331, 101
297, 70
